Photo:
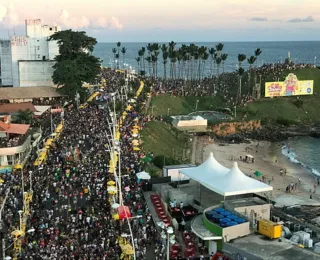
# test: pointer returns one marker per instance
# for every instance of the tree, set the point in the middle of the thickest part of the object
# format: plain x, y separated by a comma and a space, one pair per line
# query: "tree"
241, 58
240, 73
123, 51
118, 54
257, 53
224, 57
138, 61
24, 116
114, 51
212, 52
219, 48
251, 61
75, 64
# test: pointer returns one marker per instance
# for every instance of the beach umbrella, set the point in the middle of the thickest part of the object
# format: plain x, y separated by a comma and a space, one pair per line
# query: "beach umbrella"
135, 135
111, 183
128, 108
111, 189
135, 131
135, 142
136, 119
136, 127
143, 175
136, 149
257, 173
115, 205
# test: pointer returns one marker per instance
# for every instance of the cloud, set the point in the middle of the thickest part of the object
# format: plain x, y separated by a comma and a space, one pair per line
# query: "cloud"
307, 19
258, 19
69, 21
73, 22
8, 15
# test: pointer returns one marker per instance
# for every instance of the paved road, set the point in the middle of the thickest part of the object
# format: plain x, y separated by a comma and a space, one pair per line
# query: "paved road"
229, 248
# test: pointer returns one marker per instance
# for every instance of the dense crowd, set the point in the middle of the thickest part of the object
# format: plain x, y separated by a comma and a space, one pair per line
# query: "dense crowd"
71, 217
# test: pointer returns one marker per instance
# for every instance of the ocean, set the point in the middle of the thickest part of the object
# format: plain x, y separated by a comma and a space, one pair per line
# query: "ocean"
272, 52
304, 151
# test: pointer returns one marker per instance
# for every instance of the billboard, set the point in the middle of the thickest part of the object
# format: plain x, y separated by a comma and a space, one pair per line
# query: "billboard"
290, 87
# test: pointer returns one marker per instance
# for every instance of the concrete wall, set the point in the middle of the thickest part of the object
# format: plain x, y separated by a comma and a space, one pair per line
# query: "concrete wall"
261, 211
241, 230
35, 73
228, 128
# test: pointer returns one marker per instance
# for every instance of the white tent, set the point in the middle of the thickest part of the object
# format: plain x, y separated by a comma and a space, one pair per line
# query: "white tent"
143, 175
206, 172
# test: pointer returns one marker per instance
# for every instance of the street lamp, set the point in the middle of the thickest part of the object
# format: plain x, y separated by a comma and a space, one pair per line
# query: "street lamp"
197, 104
169, 230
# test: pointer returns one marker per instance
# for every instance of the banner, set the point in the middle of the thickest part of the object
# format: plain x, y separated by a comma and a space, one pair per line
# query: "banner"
290, 87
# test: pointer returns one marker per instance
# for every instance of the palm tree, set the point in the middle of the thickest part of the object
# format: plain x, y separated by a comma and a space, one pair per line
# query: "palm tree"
165, 56
240, 73
118, 47
241, 58
149, 60
218, 62
219, 48
114, 50
143, 51
257, 53
251, 61
212, 52
172, 44
204, 57
138, 59
24, 116
123, 51
224, 57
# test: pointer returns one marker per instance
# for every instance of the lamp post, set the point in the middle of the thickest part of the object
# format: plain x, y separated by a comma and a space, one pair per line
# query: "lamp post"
235, 111
166, 233
197, 104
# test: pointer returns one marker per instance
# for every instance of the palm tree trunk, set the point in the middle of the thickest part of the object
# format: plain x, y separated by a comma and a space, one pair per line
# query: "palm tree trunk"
165, 69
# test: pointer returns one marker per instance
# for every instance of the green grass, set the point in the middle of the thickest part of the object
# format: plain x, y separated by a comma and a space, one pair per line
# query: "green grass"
159, 138
275, 108
182, 105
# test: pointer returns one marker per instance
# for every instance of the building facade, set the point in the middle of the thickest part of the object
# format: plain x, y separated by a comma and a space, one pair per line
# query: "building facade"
27, 60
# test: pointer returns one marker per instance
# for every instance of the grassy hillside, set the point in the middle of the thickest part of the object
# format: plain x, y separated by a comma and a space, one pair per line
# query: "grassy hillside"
182, 105
161, 139
275, 109
288, 108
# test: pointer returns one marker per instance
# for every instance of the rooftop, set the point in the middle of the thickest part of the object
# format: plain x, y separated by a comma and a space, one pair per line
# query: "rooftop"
246, 202
265, 248
28, 92
15, 107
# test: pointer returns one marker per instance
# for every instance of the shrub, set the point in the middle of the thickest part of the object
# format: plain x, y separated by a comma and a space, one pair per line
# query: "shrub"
162, 160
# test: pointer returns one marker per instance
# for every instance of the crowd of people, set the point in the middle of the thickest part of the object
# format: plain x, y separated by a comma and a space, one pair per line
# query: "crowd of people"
71, 213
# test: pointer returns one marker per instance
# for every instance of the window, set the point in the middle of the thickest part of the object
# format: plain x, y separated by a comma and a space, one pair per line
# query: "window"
50, 28
38, 56
43, 57
38, 48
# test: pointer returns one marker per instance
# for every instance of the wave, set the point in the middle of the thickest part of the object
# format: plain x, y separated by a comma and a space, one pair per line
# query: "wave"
286, 151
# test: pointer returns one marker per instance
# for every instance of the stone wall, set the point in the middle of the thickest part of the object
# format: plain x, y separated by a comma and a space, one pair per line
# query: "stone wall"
229, 128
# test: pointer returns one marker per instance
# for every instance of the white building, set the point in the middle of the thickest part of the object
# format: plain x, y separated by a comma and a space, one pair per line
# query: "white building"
27, 60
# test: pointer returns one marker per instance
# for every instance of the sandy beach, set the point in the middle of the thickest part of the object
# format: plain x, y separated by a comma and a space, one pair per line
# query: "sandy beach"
268, 160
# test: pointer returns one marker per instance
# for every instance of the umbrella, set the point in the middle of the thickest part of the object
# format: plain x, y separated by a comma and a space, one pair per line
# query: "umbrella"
127, 188
143, 175
112, 189
257, 173
135, 142
127, 249
132, 100
115, 205
111, 183
1, 181
136, 149
135, 135
136, 127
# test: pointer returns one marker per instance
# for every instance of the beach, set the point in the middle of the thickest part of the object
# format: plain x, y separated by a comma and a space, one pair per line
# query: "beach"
268, 160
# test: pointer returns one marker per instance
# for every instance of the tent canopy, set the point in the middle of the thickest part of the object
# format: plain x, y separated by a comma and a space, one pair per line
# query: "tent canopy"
206, 172
223, 181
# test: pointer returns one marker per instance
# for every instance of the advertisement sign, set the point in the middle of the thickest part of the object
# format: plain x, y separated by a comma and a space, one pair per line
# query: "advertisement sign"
290, 87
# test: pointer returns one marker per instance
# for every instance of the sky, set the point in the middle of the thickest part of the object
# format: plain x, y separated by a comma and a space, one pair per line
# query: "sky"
166, 20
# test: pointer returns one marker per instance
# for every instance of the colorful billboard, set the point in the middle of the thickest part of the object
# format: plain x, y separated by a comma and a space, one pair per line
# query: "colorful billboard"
290, 87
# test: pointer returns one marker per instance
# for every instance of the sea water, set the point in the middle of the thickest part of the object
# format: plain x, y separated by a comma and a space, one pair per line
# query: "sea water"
272, 52
304, 151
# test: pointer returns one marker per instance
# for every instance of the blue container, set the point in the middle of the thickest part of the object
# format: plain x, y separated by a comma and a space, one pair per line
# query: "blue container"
223, 225
232, 217
217, 217
225, 213
240, 220
219, 210
224, 220
230, 224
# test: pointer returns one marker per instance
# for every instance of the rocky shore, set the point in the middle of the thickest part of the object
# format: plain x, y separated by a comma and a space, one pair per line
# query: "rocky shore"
272, 133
